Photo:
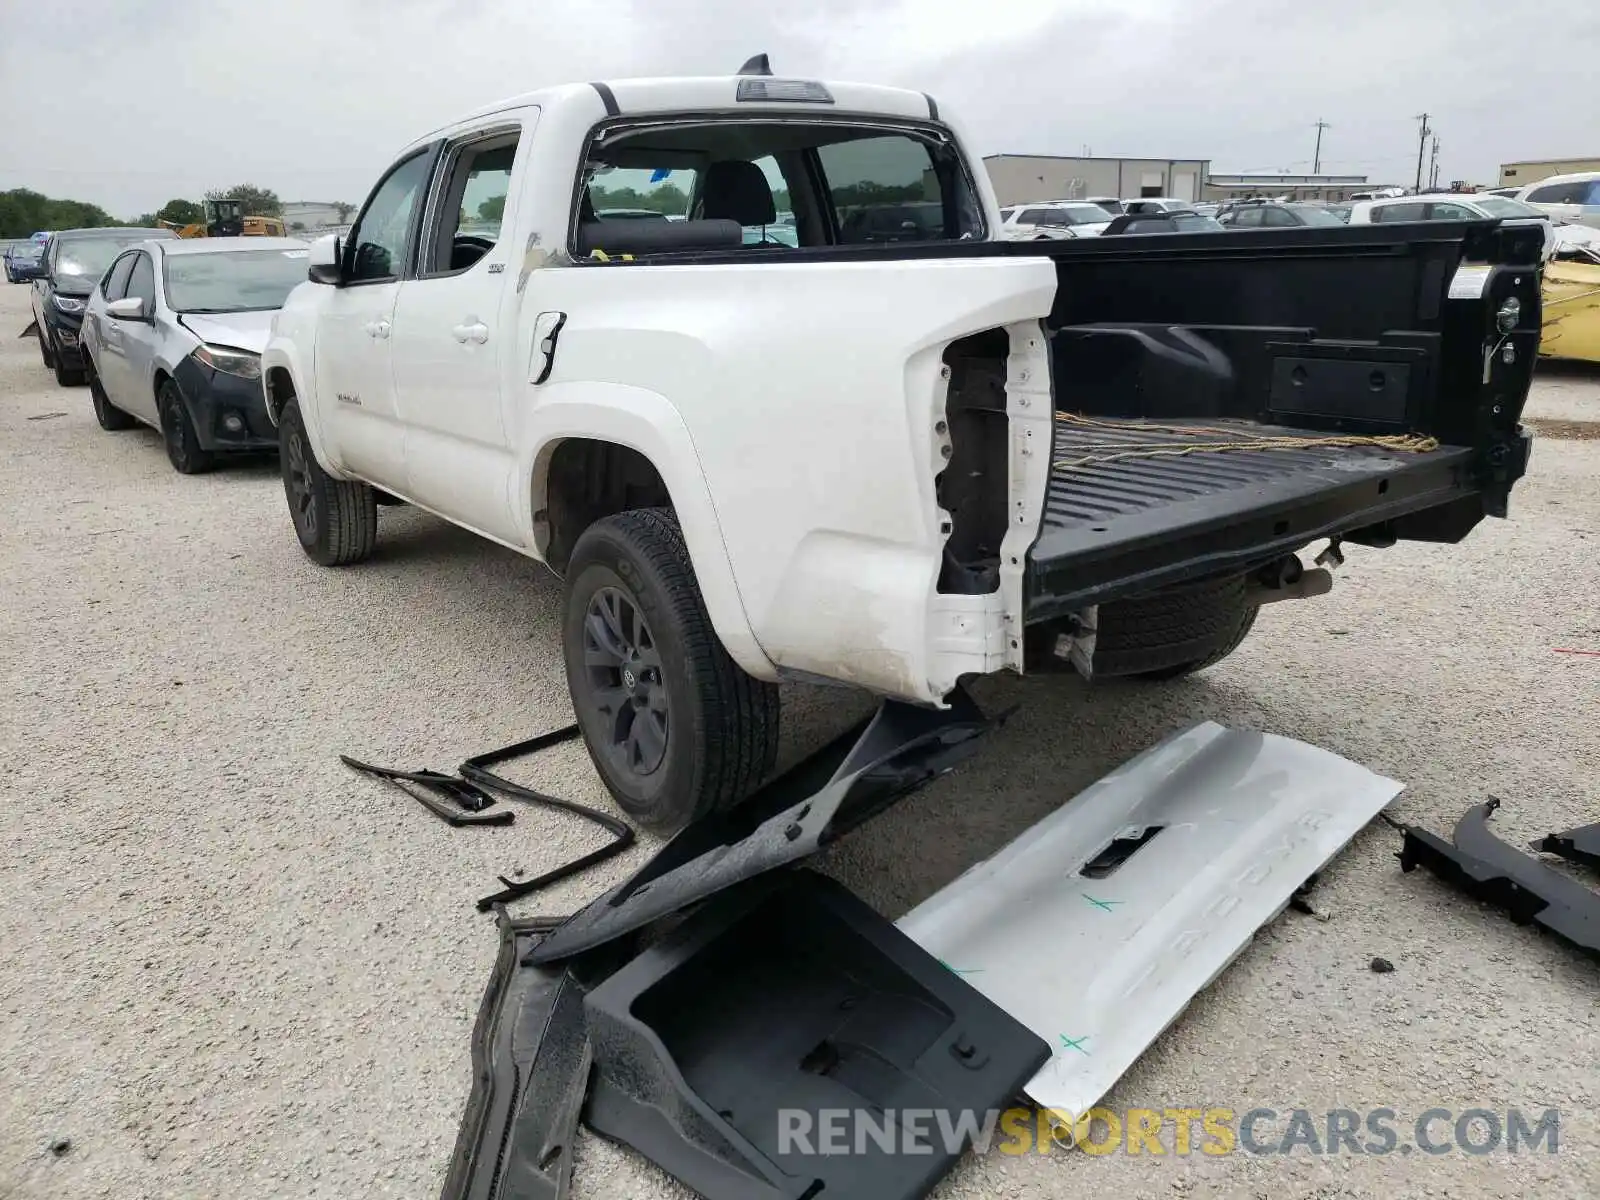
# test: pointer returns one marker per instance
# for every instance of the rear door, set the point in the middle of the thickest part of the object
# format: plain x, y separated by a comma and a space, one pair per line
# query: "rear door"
453, 342
354, 373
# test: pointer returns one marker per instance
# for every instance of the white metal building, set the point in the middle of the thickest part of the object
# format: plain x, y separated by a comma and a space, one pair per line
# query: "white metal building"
1028, 178
1272, 184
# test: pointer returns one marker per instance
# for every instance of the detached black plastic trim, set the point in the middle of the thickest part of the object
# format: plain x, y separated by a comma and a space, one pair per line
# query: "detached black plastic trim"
1581, 845
846, 783
1483, 866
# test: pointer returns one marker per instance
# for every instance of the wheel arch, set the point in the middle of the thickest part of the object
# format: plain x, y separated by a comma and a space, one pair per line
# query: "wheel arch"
596, 449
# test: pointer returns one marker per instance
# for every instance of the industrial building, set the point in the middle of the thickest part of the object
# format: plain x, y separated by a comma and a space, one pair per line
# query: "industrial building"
1520, 174
1028, 178
1273, 184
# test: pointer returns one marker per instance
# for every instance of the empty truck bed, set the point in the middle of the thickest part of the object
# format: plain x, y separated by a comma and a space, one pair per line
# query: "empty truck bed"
1133, 505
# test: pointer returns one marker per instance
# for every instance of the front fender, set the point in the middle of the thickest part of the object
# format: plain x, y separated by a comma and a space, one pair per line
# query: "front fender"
648, 423
288, 355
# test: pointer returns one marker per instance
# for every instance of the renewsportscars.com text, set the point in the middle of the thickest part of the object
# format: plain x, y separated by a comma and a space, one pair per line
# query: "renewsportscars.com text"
1171, 1131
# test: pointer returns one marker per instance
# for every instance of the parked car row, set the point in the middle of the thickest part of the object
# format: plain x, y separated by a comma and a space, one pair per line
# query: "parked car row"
167, 332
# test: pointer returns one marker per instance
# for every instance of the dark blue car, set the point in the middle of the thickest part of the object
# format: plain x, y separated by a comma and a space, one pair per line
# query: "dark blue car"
23, 260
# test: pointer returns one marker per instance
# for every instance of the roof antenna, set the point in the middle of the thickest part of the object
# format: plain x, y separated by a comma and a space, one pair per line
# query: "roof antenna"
756, 66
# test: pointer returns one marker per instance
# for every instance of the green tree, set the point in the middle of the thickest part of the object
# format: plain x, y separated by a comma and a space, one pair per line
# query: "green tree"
23, 211
255, 201
344, 210
181, 212
492, 209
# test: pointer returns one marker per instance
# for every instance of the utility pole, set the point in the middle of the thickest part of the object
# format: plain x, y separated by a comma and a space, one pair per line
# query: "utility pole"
1316, 157
1422, 146
1433, 166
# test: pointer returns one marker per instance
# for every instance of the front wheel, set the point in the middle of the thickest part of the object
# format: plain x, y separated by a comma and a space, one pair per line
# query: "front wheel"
675, 728
184, 451
336, 520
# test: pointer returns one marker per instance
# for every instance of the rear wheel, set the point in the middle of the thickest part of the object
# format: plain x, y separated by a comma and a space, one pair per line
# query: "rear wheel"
108, 414
184, 451
675, 728
336, 520
1174, 632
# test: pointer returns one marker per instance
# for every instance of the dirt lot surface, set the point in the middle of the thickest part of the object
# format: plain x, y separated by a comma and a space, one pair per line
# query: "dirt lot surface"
232, 968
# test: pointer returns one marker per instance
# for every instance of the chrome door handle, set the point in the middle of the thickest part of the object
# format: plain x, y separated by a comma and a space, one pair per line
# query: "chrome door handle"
378, 328
477, 332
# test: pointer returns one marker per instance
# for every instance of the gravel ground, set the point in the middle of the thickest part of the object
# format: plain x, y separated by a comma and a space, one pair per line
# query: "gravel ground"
233, 968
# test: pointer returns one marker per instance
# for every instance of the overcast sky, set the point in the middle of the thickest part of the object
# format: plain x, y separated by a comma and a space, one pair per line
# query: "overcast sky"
128, 103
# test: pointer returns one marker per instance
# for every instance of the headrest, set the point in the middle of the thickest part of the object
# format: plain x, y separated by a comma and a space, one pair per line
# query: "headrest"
737, 191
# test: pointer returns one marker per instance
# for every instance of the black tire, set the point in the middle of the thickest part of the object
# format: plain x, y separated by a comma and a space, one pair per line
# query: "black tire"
108, 414
336, 520
184, 451
67, 376
718, 726
1174, 632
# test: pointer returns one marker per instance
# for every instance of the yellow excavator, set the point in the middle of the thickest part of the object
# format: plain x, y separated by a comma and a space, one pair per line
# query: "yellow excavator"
225, 218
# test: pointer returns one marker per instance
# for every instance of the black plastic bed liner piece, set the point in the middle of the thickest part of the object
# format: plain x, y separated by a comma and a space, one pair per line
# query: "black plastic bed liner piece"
785, 1015
1119, 526
1483, 866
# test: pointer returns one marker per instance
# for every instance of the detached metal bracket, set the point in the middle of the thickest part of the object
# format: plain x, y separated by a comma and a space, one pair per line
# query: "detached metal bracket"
841, 786
1580, 845
1483, 866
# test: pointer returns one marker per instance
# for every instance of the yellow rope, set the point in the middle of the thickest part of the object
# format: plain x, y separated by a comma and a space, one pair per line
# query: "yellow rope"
1118, 451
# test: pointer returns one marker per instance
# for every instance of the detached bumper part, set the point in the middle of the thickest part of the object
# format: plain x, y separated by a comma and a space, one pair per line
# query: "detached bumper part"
722, 1050
1099, 924
1483, 866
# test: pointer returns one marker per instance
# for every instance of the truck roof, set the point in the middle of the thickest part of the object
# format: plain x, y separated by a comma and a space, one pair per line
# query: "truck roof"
715, 93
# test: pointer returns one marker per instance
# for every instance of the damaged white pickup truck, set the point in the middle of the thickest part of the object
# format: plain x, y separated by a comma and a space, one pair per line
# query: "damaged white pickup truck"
740, 359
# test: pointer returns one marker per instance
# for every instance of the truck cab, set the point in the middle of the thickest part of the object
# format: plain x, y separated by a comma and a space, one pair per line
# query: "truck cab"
874, 446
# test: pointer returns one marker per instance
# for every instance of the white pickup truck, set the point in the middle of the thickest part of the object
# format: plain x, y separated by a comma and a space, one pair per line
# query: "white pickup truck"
881, 448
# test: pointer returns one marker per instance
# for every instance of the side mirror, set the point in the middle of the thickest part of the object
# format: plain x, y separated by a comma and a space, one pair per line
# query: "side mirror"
324, 259
129, 308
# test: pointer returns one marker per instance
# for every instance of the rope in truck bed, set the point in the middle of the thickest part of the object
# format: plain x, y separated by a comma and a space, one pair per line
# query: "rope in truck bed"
1120, 449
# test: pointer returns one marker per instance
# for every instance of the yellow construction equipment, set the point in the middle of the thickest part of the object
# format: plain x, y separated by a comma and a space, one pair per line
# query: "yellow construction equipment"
225, 218
1571, 311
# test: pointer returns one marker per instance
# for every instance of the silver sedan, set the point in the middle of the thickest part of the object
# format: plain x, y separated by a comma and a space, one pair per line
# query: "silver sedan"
173, 335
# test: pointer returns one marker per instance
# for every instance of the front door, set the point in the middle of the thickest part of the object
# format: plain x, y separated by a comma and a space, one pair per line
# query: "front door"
361, 430
453, 336
136, 346
102, 336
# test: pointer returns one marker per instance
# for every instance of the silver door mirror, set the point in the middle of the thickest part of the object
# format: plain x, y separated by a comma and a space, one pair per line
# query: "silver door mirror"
323, 259
129, 308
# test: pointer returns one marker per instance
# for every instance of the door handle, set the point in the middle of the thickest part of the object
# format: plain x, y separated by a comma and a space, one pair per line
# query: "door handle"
472, 331
378, 328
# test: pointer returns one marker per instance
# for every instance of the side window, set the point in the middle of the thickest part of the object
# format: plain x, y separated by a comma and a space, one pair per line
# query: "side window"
893, 188
470, 204
115, 284
1389, 214
142, 281
1449, 212
1558, 193
1278, 218
1591, 192
1248, 218
382, 234
1035, 216
1005, 213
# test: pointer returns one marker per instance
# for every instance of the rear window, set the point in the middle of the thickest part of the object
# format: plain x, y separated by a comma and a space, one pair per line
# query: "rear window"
788, 185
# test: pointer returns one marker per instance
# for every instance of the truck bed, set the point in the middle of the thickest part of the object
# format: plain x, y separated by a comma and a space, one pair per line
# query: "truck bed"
1125, 511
